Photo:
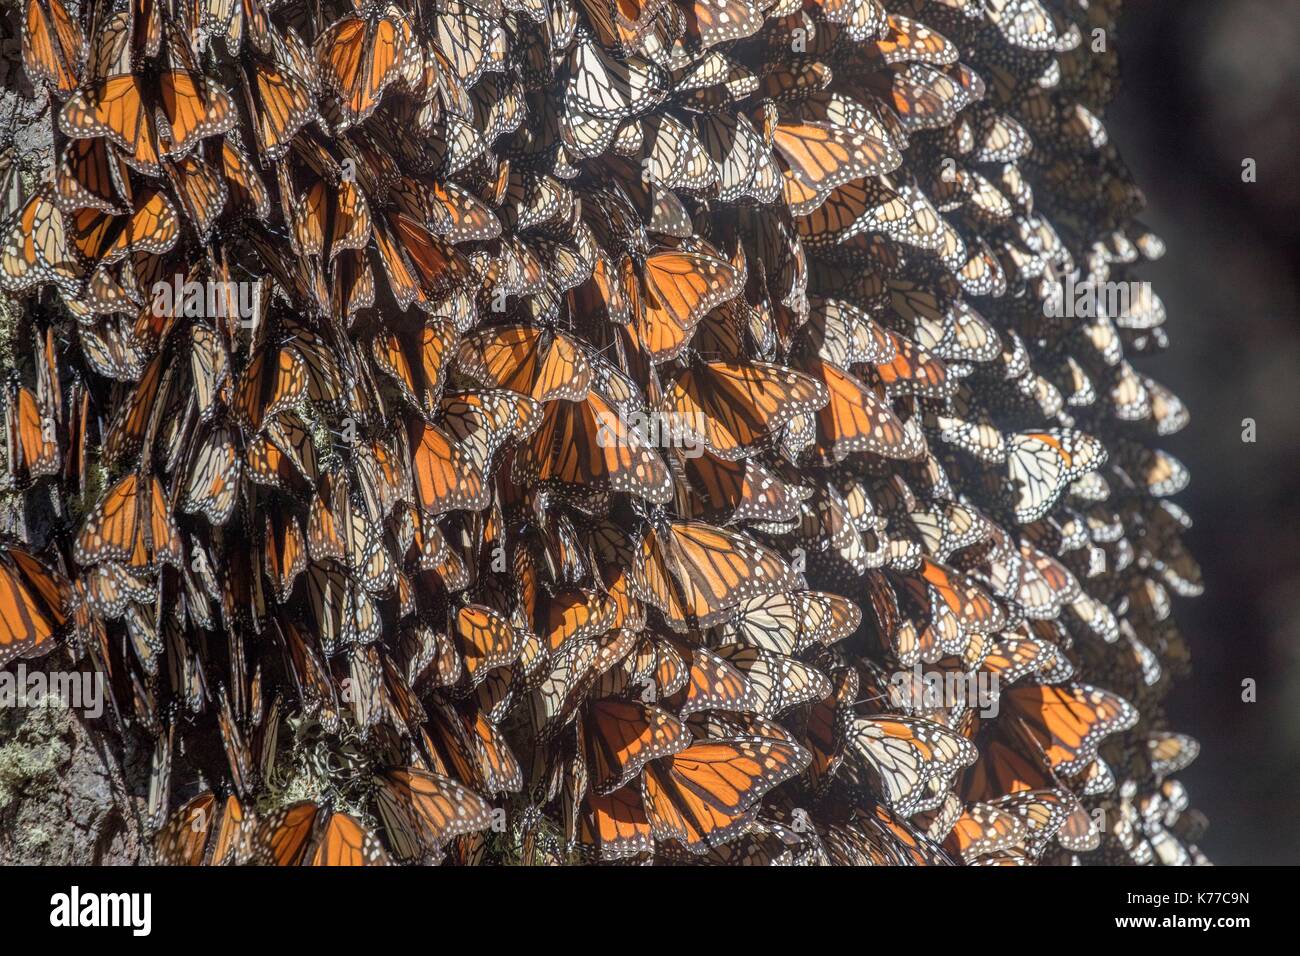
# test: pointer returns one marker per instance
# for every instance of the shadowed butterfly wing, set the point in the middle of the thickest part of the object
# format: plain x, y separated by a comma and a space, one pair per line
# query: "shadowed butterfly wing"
423, 811
1068, 721
623, 735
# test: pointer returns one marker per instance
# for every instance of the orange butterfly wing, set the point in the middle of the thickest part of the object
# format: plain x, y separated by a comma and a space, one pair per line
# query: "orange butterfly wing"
695, 573
445, 479
856, 419
623, 735
704, 795
283, 837
35, 605
423, 811
183, 838
346, 842
54, 47
616, 823
676, 291
737, 404
114, 107
1068, 721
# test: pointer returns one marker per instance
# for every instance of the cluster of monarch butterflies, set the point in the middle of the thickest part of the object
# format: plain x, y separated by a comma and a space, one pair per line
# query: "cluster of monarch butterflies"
341, 323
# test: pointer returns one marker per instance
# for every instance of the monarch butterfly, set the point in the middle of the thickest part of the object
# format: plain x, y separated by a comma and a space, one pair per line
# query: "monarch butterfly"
213, 486
622, 736
1169, 752
1067, 721
736, 405
712, 22
907, 40
151, 227
975, 609
91, 174
346, 842
422, 811
905, 754
743, 491
33, 448
191, 107
670, 294
37, 605
566, 614
586, 446
1153, 469
923, 97
468, 41
1043, 813
820, 156
947, 527
310, 675
653, 663
274, 380
445, 479
461, 217
844, 335
1014, 658
696, 573
38, 248
232, 19
605, 88
780, 682
712, 683
542, 364
230, 845
283, 455
745, 168
54, 47
339, 527
1040, 465
286, 554
279, 80
673, 158
985, 829
359, 57
856, 419
421, 268
913, 370
343, 609
704, 795
615, 823
485, 640
182, 840
567, 675
130, 524
467, 741
485, 421
282, 837
246, 189
1025, 24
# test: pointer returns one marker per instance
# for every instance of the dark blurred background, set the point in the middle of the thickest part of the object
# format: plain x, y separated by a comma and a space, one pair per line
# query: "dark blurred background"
1206, 84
